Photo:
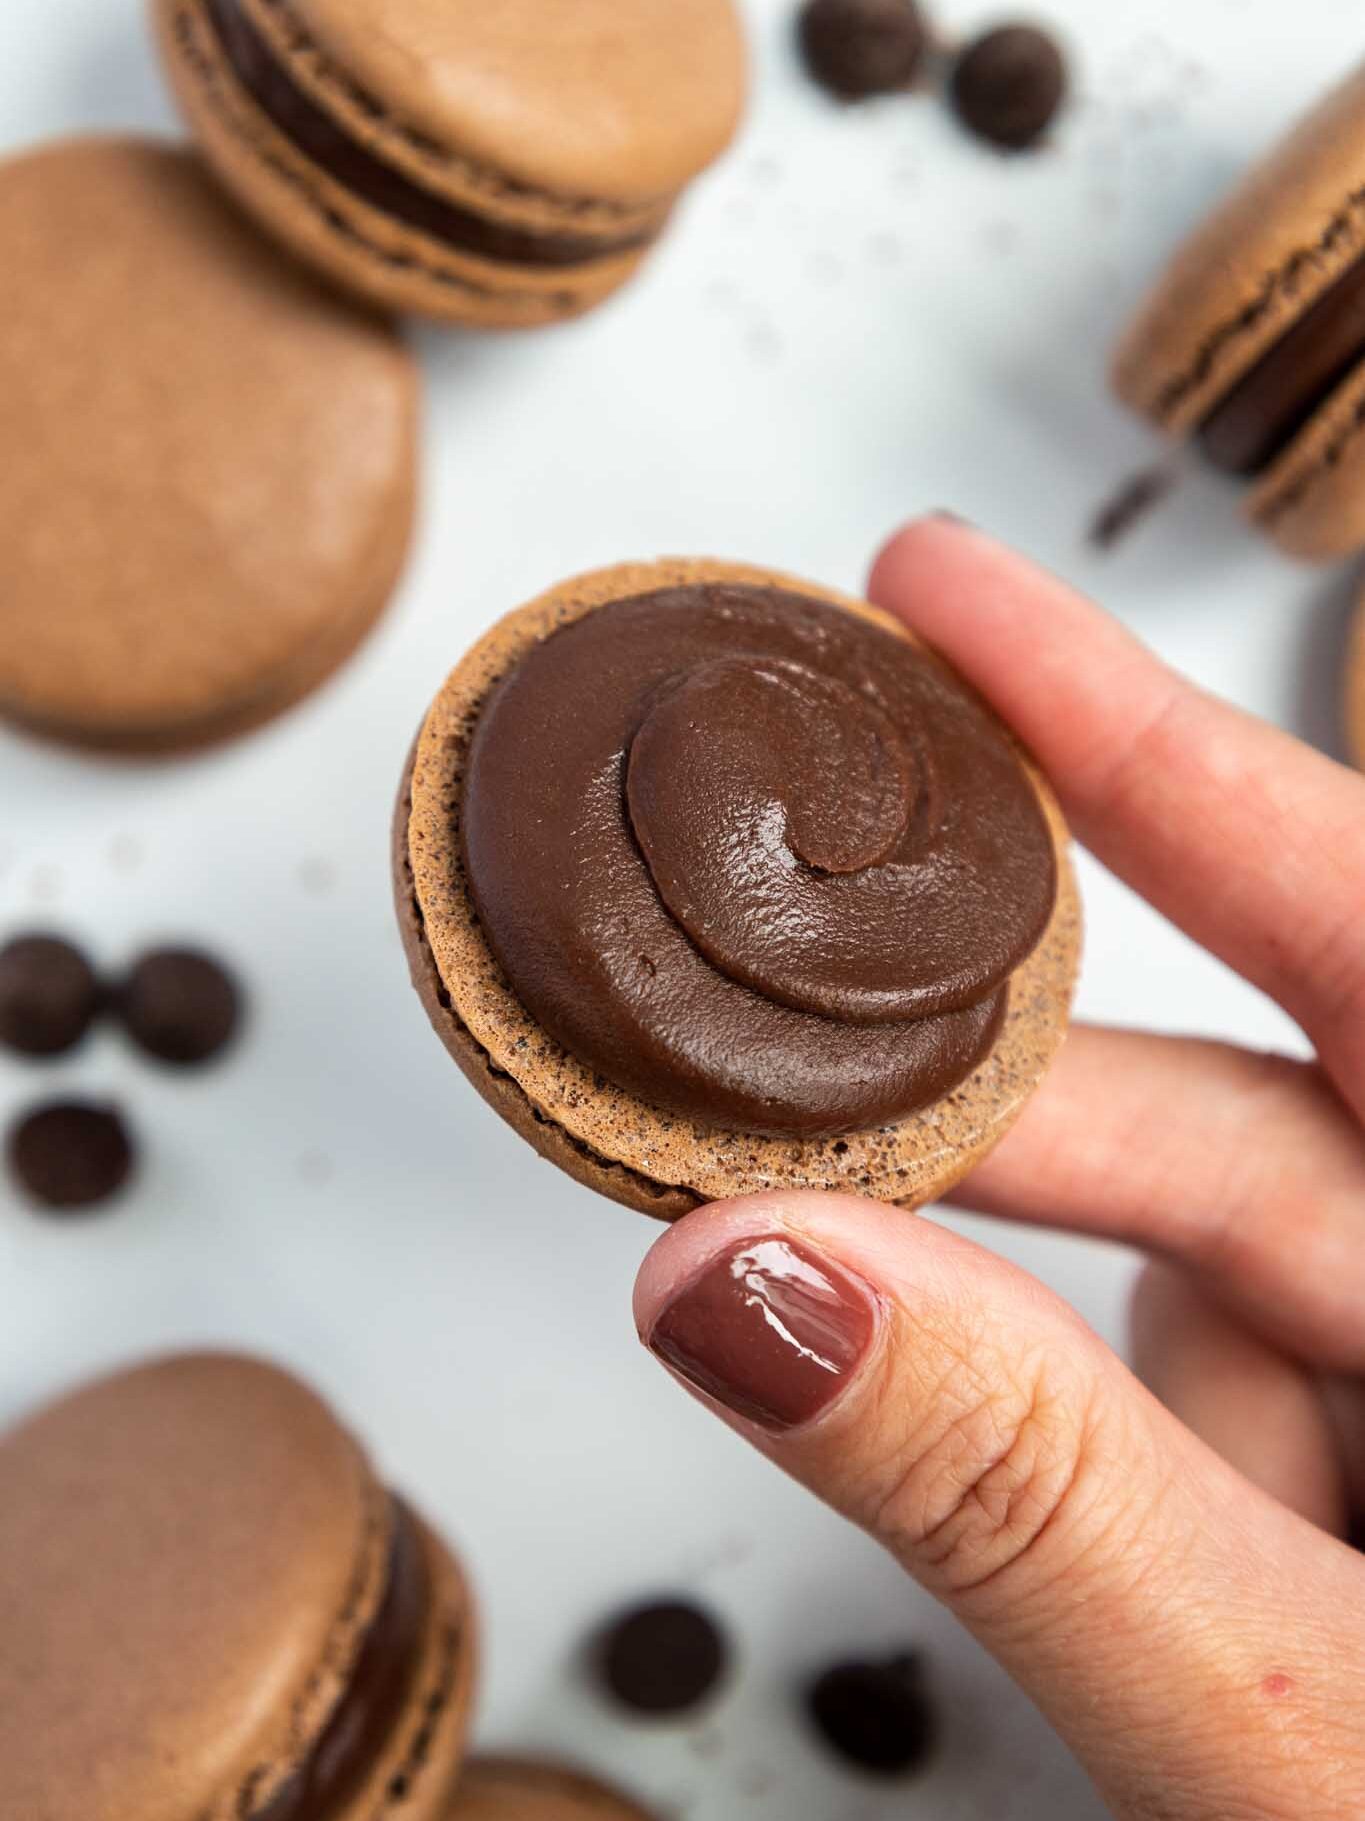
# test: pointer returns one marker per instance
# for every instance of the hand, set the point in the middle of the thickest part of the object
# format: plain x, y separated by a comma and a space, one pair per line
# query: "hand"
1165, 1578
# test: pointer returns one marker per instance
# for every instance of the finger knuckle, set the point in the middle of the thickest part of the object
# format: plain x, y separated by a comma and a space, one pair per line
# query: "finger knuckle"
988, 1474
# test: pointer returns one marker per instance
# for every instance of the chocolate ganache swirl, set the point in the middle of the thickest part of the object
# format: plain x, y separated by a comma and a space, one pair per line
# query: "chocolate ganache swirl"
754, 858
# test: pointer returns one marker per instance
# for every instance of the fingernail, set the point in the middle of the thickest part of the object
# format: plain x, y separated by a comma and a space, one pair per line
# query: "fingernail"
952, 518
771, 1330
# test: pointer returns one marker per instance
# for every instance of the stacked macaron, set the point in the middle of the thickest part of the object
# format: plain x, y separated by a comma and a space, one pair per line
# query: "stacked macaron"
1253, 342
214, 1607
507, 164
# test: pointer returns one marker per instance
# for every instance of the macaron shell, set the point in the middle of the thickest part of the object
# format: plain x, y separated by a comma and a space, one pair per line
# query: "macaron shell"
188, 1554
622, 100
1354, 691
362, 250
212, 483
444, 170
1312, 499
627, 1149
1260, 260
415, 1778
554, 1144
517, 1789
374, 583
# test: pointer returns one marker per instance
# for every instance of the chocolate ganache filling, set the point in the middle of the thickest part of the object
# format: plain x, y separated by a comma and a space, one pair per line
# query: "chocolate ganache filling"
363, 1722
319, 138
1269, 406
754, 858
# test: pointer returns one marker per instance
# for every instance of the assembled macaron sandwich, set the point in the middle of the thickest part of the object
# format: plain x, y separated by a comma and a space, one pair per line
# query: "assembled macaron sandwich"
501, 164
1253, 342
214, 1610
714, 881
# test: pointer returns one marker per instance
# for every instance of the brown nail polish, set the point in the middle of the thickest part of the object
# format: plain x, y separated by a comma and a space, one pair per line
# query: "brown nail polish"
771, 1330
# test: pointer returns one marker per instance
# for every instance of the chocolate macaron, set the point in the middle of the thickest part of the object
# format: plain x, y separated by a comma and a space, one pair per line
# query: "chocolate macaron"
212, 1608
1253, 343
209, 458
1354, 691
712, 882
500, 165
520, 1789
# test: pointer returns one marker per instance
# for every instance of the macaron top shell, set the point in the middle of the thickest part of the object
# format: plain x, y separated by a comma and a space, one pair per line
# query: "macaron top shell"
1274, 246
209, 460
188, 1552
616, 1142
624, 99
513, 1789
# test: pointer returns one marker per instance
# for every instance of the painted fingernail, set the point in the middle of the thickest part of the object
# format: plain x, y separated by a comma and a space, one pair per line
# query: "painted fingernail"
771, 1330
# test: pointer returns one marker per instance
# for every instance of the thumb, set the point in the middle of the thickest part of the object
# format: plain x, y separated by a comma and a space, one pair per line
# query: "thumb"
1192, 1640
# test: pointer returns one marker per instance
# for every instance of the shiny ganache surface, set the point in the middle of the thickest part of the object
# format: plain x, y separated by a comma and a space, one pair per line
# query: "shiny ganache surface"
377, 1692
754, 858
1270, 405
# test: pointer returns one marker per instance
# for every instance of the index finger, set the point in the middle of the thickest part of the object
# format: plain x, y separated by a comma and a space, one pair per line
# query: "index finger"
1250, 841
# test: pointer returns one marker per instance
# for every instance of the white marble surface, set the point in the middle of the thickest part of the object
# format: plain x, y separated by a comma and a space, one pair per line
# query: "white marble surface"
859, 316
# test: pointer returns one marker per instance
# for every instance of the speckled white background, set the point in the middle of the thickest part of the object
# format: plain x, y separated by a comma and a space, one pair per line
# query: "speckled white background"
859, 316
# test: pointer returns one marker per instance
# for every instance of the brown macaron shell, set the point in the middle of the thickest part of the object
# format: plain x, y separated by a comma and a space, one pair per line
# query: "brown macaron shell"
1354, 688
204, 1542
1279, 242
604, 1137
1274, 246
1311, 499
214, 480
557, 127
520, 1789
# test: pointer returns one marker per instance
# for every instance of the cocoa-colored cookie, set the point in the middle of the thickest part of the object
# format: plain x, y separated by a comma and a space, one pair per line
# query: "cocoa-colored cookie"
500, 165
637, 1147
1253, 342
1355, 688
209, 459
213, 1609
519, 1789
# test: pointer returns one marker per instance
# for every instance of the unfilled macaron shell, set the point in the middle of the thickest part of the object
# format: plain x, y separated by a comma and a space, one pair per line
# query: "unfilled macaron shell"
207, 1543
210, 461
517, 1789
603, 1136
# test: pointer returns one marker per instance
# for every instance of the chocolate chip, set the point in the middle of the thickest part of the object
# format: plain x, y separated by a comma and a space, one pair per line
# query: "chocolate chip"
875, 1715
857, 48
663, 1658
1009, 84
70, 1154
180, 1005
49, 995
